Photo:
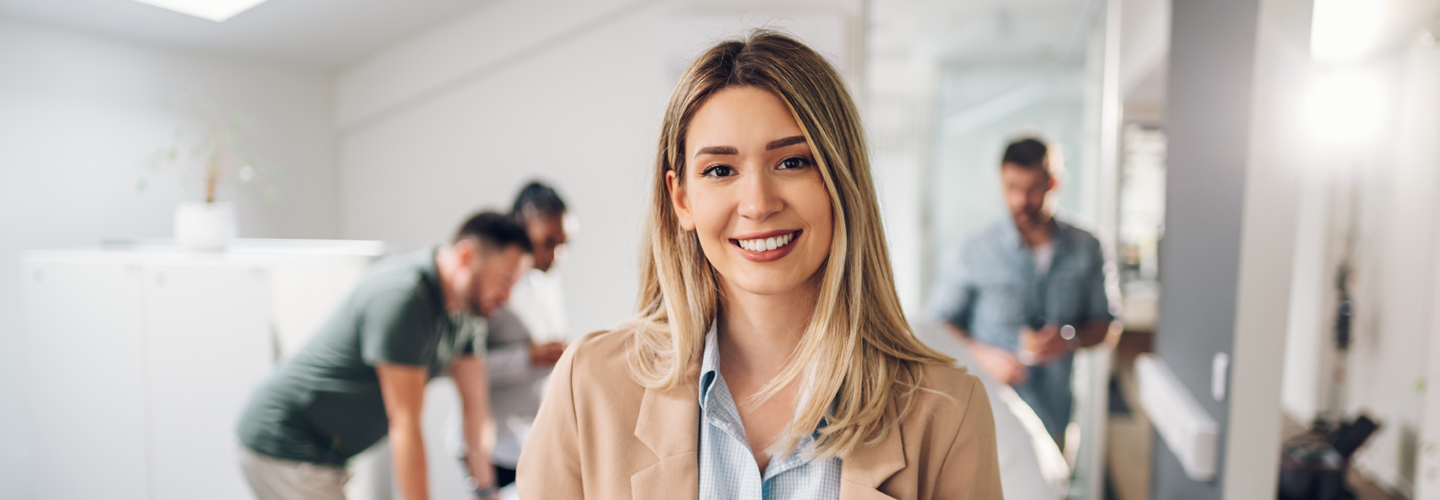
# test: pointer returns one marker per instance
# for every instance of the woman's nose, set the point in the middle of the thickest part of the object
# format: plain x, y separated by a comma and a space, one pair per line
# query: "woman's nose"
759, 198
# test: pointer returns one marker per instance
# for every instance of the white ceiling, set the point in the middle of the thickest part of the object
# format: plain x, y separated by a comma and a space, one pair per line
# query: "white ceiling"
326, 34
980, 30
321, 34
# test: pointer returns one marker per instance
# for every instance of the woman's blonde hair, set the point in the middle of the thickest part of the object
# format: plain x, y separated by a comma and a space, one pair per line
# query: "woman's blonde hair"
858, 352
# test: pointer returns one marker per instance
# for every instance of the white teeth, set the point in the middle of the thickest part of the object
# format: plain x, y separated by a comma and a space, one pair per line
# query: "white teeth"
767, 244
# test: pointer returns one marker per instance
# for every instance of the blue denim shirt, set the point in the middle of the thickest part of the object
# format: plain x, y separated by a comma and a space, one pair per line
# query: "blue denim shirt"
990, 288
727, 468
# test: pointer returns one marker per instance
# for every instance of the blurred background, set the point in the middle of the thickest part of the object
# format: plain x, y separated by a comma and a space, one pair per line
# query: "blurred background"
1262, 173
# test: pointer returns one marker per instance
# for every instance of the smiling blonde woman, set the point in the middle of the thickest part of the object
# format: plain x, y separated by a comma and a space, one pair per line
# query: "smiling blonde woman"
769, 357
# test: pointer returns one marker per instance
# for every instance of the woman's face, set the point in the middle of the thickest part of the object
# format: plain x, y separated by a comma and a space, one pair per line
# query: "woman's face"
753, 193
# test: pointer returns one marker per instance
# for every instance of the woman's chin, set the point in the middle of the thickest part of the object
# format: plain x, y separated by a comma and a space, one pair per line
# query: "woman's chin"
768, 284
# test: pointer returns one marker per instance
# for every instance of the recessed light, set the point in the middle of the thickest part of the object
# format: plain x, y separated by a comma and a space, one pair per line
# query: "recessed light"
214, 10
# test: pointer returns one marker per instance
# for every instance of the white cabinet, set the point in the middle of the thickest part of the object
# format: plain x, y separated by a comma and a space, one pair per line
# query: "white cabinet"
140, 359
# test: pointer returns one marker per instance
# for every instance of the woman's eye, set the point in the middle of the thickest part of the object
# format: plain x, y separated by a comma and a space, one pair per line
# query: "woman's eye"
718, 171
794, 162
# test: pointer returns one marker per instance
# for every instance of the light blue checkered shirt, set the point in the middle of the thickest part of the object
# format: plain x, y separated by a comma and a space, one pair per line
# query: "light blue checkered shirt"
991, 289
727, 468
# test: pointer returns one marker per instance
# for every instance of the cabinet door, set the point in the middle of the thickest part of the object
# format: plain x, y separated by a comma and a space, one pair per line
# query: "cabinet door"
207, 344
83, 372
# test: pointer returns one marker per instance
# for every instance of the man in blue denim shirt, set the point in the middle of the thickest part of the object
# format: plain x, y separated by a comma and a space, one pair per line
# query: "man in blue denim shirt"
1028, 290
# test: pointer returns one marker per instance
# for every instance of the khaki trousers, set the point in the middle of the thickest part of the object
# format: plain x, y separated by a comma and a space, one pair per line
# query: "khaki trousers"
276, 479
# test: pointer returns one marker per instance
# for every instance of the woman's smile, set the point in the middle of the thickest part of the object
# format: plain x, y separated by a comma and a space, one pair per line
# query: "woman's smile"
765, 247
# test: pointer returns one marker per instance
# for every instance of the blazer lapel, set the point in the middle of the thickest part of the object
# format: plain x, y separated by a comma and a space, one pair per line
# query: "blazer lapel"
864, 471
669, 423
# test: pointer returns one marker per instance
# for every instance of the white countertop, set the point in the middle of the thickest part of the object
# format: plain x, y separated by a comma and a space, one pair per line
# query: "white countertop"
239, 251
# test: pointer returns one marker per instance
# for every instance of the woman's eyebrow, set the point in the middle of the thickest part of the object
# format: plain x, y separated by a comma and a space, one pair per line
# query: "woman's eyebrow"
780, 143
717, 150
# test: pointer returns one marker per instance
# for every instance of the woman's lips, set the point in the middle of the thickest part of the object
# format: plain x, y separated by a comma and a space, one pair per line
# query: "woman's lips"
766, 255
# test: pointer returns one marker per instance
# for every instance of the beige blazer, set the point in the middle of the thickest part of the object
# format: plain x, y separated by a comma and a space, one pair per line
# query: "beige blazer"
601, 435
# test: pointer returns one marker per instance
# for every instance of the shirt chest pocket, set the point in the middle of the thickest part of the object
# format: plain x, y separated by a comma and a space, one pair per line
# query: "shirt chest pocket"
1000, 303
1066, 295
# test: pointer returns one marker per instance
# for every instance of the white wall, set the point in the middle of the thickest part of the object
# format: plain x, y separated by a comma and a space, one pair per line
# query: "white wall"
1385, 191
581, 116
459, 117
77, 116
1420, 124
1309, 334
1394, 259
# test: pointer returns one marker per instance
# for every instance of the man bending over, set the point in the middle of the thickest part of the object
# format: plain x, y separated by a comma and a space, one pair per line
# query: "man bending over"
363, 376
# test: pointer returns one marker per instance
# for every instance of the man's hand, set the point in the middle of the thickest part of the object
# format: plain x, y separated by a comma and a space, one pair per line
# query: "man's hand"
1045, 344
481, 489
546, 354
998, 363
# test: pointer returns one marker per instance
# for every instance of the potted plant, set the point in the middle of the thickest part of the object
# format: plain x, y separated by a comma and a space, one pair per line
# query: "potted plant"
207, 155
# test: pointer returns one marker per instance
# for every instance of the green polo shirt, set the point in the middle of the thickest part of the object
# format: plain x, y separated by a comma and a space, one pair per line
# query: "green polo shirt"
324, 405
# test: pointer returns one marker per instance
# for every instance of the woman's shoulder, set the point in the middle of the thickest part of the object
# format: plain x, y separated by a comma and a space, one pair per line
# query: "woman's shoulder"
601, 352
948, 394
598, 383
948, 438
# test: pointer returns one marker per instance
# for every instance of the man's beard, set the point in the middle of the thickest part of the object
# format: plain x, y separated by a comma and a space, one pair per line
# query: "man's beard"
476, 306
1028, 218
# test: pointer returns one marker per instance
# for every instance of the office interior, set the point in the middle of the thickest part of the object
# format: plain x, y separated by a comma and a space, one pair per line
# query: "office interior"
1262, 173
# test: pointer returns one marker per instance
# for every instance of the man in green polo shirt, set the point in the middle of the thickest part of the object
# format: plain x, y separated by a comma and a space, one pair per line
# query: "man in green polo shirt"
363, 376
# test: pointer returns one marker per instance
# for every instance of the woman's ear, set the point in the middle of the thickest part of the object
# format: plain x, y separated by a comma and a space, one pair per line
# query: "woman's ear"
679, 201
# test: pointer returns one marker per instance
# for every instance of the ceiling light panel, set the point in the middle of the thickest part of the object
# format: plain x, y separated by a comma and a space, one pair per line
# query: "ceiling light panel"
214, 10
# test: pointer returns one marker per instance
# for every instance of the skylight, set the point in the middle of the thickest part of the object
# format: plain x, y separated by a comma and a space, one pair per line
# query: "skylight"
214, 10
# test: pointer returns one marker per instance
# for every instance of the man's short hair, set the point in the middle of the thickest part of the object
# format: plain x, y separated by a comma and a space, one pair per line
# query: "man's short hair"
1030, 153
539, 199
495, 231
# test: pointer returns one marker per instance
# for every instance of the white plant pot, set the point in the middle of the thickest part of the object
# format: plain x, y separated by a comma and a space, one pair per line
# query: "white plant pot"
205, 226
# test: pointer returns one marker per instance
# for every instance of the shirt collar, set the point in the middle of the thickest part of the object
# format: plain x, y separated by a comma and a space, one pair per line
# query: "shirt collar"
709, 364
1010, 235
710, 371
